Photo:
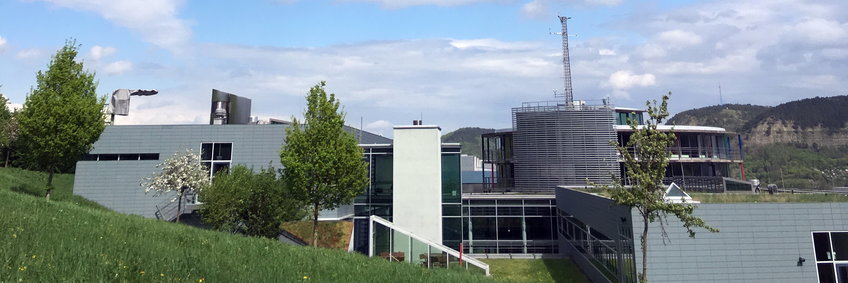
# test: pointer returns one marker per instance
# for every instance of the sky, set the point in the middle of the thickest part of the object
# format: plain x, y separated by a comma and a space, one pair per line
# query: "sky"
453, 63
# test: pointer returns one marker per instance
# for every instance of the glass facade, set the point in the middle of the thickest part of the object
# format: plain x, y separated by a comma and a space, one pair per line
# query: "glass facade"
377, 198
509, 226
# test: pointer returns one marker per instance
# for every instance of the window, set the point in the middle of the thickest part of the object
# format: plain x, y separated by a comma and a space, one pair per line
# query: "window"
216, 156
831, 254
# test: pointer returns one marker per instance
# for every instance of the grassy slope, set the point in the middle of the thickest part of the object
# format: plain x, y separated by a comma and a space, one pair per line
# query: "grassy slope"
35, 183
536, 270
729, 116
331, 234
44, 241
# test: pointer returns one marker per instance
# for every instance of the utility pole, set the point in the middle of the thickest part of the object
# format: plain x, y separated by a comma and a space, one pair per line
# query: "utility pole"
782, 182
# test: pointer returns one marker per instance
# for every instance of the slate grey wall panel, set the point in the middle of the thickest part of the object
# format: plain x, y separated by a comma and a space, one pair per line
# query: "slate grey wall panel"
758, 242
116, 184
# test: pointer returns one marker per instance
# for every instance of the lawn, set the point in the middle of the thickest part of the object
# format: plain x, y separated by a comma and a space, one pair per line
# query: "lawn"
35, 183
765, 197
535, 270
58, 241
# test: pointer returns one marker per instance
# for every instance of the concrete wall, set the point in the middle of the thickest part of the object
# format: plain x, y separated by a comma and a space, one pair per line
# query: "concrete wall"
417, 178
116, 184
758, 242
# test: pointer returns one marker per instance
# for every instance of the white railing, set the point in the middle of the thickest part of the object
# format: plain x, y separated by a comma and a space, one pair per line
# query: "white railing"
428, 258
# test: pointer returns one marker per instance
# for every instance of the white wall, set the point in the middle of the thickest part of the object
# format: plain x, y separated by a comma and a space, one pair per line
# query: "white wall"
417, 174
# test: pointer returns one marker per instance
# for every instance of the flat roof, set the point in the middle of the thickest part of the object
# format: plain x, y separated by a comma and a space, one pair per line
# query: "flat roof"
762, 197
676, 128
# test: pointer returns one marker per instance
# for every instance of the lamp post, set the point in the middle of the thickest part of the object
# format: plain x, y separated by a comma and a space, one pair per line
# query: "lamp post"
121, 101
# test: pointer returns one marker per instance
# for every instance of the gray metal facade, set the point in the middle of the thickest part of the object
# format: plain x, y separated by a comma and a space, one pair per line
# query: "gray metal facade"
116, 184
557, 145
758, 242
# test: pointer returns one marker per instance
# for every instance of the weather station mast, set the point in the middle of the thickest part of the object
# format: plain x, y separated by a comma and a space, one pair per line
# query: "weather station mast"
566, 64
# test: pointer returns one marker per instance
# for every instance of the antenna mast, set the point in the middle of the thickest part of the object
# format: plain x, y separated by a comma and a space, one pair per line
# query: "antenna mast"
720, 99
566, 64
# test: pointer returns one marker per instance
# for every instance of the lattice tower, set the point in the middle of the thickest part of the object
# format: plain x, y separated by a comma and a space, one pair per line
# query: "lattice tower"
566, 64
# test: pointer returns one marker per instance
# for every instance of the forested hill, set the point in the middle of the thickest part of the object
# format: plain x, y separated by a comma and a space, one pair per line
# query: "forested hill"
828, 112
469, 137
732, 117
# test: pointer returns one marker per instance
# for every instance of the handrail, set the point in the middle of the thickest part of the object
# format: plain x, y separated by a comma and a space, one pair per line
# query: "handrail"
449, 251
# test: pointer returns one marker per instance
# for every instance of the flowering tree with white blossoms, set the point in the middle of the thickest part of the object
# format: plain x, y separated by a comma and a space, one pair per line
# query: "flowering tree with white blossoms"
181, 173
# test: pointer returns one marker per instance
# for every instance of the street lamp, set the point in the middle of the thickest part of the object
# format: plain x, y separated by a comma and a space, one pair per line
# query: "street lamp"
121, 101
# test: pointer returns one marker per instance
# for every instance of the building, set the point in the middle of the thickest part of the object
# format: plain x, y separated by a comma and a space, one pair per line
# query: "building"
758, 241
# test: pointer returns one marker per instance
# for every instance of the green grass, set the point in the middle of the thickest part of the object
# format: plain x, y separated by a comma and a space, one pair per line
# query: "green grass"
535, 270
55, 241
765, 197
331, 234
35, 183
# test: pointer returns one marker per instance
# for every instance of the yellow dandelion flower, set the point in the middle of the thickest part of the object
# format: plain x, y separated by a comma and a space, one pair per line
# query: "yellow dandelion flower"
141, 272
14, 236
200, 280
34, 256
161, 274
22, 268
305, 277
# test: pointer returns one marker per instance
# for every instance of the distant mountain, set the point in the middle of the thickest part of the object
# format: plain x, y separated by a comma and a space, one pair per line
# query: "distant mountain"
802, 144
813, 122
729, 116
469, 138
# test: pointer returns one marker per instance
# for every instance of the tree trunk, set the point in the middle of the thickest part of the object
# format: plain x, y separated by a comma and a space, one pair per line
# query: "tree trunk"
643, 277
315, 225
49, 184
6, 163
180, 204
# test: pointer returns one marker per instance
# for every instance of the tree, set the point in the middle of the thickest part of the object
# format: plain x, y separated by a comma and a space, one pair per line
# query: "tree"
252, 203
8, 129
182, 173
322, 163
61, 117
645, 159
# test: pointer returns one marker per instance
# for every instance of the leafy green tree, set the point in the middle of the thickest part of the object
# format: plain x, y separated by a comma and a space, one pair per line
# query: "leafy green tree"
645, 159
61, 117
180, 174
252, 203
322, 163
8, 129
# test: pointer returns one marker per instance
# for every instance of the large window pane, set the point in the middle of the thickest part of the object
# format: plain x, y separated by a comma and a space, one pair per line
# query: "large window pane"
452, 229
826, 273
840, 245
821, 241
509, 228
223, 151
451, 185
539, 228
483, 228
206, 151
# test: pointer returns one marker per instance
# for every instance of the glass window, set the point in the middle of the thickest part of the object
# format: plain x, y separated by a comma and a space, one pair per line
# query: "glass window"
451, 185
822, 246
451, 210
539, 228
206, 151
483, 228
509, 210
509, 228
108, 157
826, 273
223, 151
452, 230
840, 245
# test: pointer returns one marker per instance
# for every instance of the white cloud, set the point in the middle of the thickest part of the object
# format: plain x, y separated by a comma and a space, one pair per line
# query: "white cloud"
97, 52
2, 43
493, 44
397, 4
156, 20
622, 80
28, 54
821, 31
679, 38
534, 9
606, 52
117, 67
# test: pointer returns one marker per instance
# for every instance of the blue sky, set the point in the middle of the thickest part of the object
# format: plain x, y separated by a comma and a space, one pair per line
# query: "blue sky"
455, 62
